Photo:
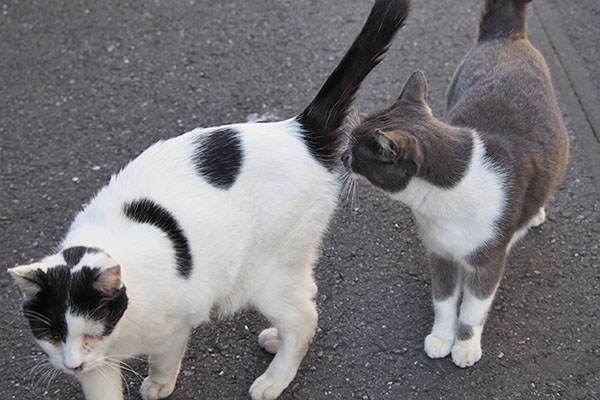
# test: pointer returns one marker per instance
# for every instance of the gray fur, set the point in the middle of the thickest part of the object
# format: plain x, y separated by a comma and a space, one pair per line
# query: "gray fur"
465, 332
502, 90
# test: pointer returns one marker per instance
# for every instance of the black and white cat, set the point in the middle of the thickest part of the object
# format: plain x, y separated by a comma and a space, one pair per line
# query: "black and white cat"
477, 179
209, 222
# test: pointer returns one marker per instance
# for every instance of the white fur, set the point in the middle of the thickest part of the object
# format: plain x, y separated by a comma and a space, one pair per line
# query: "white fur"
252, 245
455, 222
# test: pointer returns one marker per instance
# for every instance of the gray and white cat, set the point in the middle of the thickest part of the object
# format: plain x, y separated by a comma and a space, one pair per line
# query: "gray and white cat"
202, 224
475, 180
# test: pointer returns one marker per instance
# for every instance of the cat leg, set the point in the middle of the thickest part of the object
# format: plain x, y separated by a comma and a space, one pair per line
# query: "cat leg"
445, 283
103, 383
479, 289
291, 308
164, 367
538, 219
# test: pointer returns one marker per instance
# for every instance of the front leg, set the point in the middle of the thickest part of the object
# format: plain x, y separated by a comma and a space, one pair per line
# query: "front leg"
164, 367
103, 383
445, 284
479, 289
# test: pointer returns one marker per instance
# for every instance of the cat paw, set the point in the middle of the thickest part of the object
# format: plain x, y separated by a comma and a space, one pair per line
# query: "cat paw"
153, 391
269, 340
267, 388
437, 347
466, 353
539, 218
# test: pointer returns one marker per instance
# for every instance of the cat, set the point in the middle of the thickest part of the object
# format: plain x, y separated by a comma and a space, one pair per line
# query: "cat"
202, 224
477, 179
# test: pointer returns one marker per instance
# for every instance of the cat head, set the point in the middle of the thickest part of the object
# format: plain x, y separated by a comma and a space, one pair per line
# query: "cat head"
73, 303
385, 148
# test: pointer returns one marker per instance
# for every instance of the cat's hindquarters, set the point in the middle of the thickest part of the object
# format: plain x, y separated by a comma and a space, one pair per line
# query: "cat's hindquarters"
503, 19
322, 119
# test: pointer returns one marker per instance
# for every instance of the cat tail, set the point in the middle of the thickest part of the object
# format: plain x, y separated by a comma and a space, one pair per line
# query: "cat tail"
322, 120
503, 19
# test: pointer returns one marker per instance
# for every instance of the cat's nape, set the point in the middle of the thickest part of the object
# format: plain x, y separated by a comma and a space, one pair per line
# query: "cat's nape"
202, 224
478, 178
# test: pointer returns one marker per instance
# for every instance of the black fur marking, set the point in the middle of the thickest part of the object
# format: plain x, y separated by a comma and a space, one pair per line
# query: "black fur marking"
218, 157
62, 290
322, 119
87, 301
146, 211
73, 255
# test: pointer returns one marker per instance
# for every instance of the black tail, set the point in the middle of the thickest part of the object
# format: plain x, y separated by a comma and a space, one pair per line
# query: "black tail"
503, 19
323, 117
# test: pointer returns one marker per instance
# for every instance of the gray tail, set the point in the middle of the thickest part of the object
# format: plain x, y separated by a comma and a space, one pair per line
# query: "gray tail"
322, 119
503, 19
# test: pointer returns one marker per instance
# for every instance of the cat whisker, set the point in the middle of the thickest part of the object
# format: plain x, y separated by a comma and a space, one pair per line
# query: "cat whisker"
116, 363
38, 317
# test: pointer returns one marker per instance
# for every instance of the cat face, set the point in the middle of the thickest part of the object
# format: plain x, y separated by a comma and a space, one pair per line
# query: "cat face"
384, 148
73, 303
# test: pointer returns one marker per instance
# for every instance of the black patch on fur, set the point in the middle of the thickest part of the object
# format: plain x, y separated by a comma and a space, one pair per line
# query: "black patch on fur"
87, 301
62, 290
146, 211
465, 332
218, 157
73, 255
322, 119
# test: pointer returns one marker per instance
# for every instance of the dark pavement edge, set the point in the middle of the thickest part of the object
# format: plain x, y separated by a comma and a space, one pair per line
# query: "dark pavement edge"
578, 98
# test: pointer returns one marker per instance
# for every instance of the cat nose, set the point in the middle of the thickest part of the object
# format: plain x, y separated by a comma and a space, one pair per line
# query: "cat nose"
75, 369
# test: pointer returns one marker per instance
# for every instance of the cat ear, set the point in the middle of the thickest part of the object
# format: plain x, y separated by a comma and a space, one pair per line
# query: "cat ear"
415, 89
28, 278
109, 280
409, 149
387, 148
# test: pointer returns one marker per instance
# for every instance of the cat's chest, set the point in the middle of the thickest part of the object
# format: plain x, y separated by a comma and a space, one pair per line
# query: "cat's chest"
453, 238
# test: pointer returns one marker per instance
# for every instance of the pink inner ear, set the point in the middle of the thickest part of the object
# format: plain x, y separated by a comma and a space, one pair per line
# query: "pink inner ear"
109, 279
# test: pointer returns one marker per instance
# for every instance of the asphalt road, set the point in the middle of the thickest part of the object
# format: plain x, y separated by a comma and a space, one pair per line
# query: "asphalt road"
87, 85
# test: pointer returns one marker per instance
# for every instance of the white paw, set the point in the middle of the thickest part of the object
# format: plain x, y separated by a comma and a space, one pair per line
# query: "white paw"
465, 354
269, 340
267, 388
437, 347
539, 218
154, 391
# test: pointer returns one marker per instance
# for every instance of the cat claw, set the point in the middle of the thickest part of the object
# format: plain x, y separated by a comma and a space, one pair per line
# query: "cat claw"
153, 391
465, 354
437, 347
269, 340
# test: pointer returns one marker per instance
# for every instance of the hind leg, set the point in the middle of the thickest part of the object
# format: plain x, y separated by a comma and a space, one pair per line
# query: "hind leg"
290, 306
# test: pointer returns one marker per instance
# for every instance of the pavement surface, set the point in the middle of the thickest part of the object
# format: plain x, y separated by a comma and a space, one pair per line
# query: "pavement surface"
87, 85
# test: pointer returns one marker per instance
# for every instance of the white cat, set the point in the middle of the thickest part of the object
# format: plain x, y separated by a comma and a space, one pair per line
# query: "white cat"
205, 223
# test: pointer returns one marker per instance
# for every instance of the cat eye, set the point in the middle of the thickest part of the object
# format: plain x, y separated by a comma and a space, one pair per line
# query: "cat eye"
91, 338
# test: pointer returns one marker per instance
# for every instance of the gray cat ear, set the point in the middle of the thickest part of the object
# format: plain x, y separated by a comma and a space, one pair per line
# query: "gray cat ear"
109, 280
415, 89
388, 149
27, 277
